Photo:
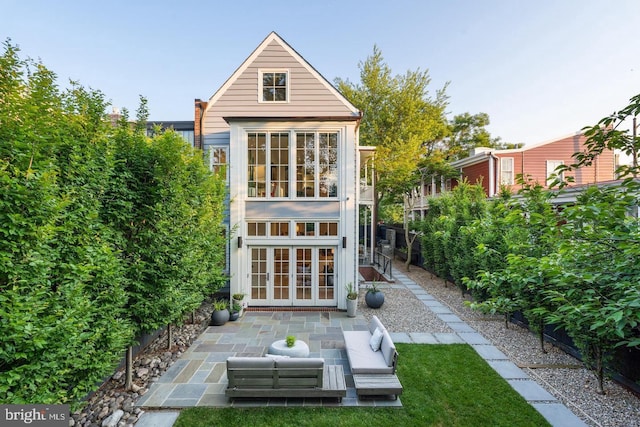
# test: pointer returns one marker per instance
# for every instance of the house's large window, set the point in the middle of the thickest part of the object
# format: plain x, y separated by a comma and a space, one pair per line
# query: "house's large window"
268, 148
274, 86
317, 164
328, 164
312, 155
257, 164
305, 164
279, 165
506, 170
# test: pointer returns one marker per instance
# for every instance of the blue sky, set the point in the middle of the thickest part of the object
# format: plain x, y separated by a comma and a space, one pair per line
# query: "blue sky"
541, 69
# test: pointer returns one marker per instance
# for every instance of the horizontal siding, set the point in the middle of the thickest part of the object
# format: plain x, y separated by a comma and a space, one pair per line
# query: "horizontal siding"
477, 174
307, 96
532, 163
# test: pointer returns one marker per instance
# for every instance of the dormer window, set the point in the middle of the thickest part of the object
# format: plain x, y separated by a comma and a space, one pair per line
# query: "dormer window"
274, 85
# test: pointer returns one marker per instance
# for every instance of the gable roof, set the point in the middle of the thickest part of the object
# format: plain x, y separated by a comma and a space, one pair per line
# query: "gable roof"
271, 38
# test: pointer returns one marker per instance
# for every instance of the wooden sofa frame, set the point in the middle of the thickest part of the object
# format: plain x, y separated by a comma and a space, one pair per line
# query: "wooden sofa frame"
294, 377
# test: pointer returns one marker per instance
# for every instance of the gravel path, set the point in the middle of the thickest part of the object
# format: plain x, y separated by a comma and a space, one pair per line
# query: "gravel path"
569, 382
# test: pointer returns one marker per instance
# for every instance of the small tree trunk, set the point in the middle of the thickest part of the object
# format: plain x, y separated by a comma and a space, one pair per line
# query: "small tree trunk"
169, 337
506, 320
599, 369
541, 336
128, 381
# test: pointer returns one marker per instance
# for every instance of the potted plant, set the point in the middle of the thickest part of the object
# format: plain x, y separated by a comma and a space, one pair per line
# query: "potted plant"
238, 299
352, 300
291, 341
374, 296
235, 312
220, 314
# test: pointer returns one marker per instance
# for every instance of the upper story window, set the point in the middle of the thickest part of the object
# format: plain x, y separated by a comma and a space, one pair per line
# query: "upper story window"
317, 164
506, 171
313, 157
268, 164
274, 85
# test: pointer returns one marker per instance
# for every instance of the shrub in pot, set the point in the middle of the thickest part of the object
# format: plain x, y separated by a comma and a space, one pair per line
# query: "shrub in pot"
374, 296
220, 314
235, 312
352, 300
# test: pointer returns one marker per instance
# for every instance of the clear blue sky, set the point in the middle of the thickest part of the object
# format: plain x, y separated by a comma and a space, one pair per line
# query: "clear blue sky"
541, 69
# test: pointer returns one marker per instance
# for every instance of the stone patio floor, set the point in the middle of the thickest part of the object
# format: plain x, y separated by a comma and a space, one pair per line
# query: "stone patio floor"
198, 378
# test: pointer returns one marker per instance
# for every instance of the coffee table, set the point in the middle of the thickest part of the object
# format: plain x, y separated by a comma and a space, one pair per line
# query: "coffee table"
299, 349
377, 384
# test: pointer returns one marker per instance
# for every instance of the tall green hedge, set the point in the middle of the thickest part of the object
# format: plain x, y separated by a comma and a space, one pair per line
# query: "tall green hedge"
575, 268
104, 233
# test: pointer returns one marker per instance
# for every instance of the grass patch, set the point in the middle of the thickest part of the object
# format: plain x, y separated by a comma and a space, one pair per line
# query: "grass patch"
444, 385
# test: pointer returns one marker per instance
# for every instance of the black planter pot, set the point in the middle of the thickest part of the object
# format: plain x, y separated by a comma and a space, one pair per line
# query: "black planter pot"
219, 317
233, 316
374, 299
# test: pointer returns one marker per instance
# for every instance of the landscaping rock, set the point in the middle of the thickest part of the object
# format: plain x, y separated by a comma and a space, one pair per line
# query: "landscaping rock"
152, 362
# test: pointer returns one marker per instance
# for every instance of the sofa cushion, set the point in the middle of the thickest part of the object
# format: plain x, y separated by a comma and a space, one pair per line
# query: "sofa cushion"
375, 323
276, 356
362, 359
376, 339
388, 349
250, 362
300, 362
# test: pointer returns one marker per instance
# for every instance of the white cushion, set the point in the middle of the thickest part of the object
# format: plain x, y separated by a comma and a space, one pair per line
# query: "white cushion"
375, 340
276, 356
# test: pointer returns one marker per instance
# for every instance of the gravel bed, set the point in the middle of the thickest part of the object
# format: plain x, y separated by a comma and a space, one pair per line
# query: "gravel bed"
568, 380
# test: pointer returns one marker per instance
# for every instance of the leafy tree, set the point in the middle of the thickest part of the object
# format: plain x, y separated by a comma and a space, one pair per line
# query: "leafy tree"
595, 296
399, 115
609, 134
465, 132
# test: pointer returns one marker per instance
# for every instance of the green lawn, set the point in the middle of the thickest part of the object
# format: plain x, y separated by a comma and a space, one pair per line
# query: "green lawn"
444, 385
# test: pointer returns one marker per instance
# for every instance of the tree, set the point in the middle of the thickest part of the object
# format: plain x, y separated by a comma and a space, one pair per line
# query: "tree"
465, 132
399, 116
609, 134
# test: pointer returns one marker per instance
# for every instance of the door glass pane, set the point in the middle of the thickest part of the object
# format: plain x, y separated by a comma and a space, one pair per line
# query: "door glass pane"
259, 273
326, 274
303, 273
281, 273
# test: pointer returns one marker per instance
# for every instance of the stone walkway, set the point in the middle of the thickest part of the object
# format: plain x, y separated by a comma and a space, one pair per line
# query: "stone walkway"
198, 378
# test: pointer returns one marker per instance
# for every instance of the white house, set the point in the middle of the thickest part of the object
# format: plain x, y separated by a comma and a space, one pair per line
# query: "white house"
289, 142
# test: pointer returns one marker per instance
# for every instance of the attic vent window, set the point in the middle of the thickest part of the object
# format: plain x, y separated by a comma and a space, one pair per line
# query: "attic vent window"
274, 86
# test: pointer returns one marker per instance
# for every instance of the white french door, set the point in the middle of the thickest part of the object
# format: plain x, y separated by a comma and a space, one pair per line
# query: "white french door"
292, 276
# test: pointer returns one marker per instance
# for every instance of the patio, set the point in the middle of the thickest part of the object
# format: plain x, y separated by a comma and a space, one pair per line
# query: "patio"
198, 378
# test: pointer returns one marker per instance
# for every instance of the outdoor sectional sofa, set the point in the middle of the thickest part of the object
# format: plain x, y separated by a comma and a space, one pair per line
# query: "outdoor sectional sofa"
284, 377
373, 370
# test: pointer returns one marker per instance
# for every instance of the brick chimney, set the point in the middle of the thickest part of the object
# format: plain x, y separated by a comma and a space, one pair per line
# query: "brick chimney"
199, 107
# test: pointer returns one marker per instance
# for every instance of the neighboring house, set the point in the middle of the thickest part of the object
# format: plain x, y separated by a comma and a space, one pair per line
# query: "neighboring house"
183, 128
288, 141
495, 169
